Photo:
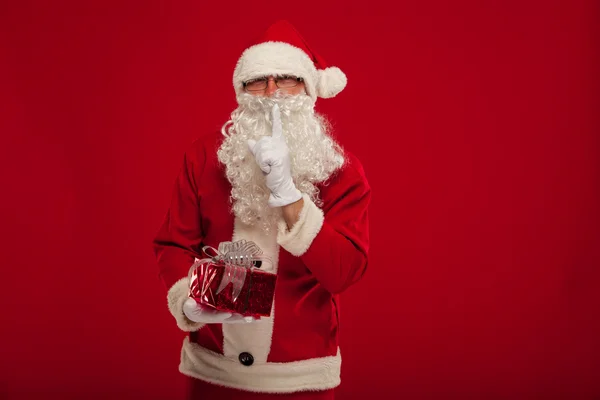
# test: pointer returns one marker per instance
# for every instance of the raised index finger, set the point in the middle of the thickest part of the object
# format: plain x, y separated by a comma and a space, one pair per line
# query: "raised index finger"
277, 131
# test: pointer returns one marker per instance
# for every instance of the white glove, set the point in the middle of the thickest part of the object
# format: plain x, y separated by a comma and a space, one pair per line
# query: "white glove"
273, 158
194, 312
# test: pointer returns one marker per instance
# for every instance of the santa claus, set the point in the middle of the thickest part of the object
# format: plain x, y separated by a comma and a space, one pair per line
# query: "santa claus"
274, 176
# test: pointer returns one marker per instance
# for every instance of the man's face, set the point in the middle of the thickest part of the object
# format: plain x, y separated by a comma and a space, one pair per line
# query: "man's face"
314, 154
267, 86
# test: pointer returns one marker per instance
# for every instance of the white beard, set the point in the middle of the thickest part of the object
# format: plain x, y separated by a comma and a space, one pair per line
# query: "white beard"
314, 154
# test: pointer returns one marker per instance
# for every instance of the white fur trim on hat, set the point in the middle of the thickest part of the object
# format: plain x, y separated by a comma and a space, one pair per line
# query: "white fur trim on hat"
275, 58
280, 58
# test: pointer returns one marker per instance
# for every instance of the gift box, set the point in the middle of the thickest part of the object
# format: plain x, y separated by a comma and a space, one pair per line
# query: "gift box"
232, 280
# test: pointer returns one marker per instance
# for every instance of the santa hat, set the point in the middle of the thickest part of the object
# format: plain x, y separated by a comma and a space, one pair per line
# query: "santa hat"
282, 51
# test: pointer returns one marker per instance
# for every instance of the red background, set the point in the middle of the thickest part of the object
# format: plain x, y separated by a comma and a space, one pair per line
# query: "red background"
477, 123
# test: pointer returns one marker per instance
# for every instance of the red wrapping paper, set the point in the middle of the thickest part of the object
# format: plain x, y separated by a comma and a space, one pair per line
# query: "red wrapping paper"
255, 297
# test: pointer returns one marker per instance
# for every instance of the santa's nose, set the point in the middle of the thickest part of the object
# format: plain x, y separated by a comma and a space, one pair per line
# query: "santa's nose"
271, 87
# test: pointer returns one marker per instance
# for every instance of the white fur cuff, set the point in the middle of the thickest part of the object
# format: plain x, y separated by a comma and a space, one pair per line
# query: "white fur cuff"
300, 237
177, 295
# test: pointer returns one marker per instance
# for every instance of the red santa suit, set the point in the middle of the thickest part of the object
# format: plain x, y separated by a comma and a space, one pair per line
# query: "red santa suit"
296, 350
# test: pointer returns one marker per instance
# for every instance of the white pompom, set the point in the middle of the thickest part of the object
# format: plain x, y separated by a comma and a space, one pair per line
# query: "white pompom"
331, 81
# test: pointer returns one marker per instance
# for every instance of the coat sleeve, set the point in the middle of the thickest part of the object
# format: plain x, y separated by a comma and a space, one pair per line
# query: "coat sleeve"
179, 238
333, 242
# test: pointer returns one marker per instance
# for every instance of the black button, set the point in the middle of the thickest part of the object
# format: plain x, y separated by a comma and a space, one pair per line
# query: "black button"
246, 359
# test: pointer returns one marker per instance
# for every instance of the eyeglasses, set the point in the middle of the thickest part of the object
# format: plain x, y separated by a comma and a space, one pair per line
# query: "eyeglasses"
282, 82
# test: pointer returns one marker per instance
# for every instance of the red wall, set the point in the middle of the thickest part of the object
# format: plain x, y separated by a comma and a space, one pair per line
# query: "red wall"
477, 123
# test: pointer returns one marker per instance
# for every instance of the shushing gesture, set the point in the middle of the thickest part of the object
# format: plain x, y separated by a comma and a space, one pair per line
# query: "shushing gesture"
273, 157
